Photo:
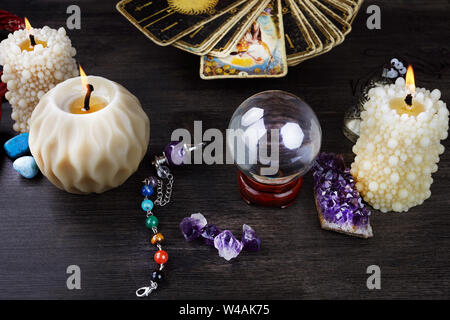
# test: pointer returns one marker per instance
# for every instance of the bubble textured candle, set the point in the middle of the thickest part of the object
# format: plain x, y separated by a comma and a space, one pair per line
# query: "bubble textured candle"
29, 74
398, 150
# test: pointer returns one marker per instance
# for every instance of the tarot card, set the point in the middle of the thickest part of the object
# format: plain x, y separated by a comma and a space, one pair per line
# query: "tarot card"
335, 32
260, 53
340, 8
292, 59
338, 21
211, 32
299, 38
319, 28
166, 21
327, 35
226, 44
355, 5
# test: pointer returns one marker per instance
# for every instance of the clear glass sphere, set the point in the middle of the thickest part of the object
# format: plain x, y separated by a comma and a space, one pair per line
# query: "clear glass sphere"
274, 137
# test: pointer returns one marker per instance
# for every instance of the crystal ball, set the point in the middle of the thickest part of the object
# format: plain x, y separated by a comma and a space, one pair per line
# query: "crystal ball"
274, 137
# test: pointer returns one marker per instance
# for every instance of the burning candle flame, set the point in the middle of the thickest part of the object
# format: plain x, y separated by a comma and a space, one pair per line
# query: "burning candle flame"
410, 83
28, 25
84, 79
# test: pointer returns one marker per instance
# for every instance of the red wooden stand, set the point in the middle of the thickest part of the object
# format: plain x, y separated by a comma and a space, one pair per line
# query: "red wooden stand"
282, 195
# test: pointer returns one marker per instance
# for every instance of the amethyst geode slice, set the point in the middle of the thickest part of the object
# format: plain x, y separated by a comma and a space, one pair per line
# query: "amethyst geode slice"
338, 203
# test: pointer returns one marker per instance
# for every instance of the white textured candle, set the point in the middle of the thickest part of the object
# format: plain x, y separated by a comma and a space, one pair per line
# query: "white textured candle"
30, 74
397, 153
92, 152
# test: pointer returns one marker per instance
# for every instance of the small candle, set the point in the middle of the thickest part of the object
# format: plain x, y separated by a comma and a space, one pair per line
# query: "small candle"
399, 145
87, 103
88, 150
96, 104
31, 42
34, 61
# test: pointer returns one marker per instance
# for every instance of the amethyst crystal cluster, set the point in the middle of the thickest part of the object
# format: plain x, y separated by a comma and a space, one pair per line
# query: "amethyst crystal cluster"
196, 226
338, 201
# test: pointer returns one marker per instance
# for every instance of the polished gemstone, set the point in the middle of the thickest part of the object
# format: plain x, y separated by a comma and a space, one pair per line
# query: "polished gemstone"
157, 276
147, 205
17, 146
147, 190
26, 166
151, 222
152, 181
161, 257
175, 153
157, 238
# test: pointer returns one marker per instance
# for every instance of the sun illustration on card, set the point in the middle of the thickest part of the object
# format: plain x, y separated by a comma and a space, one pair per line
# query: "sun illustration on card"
192, 7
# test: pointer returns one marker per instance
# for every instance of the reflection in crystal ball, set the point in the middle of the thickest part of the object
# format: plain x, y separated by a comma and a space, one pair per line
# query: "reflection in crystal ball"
274, 137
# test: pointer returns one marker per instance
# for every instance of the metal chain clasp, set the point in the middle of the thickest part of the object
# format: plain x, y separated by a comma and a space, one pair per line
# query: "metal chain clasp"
145, 291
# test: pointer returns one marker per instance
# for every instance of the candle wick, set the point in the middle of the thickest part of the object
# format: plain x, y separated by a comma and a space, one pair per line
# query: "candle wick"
408, 100
32, 41
87, 98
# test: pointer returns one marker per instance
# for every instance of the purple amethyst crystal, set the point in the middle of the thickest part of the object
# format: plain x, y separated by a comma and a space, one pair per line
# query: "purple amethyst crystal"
336, 195
227, 245
209, 232
153, 181
249, 239
176, 153
192, 226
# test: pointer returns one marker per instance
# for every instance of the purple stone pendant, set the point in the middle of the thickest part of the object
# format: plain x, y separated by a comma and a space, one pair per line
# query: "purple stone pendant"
178, 153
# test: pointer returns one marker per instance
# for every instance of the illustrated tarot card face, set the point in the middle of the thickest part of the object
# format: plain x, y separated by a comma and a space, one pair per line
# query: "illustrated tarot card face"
166, 21
224, 47
260, 53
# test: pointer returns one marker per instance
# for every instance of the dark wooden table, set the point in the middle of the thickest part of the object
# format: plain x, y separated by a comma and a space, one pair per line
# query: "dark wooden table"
43, 230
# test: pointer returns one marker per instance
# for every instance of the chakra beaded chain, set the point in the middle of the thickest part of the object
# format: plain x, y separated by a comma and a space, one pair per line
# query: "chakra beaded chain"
175, 153
162, 198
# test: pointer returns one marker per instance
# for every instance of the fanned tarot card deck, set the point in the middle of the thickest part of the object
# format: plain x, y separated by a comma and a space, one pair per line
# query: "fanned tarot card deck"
244, 38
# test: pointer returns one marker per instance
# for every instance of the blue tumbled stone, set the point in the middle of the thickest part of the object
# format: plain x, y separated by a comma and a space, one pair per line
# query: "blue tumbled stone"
26, 166
17, 146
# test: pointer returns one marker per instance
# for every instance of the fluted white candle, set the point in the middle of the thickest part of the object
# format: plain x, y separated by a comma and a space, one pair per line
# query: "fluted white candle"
92, 151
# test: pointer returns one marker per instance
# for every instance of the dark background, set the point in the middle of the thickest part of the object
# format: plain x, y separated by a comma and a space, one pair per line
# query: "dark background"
43, 230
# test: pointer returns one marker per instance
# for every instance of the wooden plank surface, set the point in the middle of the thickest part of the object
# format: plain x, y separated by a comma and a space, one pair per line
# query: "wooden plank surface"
43, 229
